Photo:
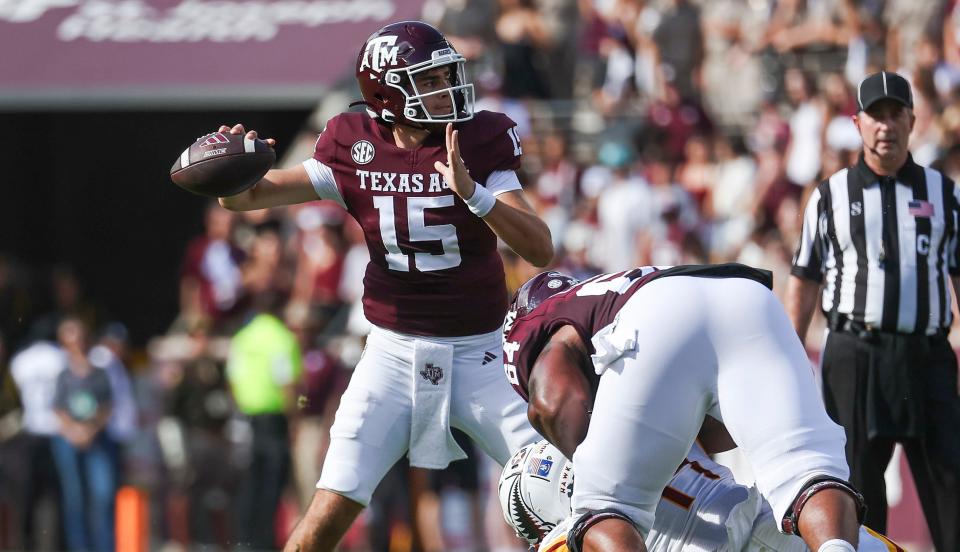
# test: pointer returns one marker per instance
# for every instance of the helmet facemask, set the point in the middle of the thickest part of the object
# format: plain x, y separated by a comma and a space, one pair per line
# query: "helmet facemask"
459, 90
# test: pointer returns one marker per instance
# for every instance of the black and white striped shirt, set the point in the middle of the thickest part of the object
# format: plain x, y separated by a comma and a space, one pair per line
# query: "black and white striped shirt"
884, 247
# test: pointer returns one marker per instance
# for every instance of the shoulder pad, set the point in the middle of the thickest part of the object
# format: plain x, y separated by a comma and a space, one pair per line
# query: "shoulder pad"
490, 142
342, 131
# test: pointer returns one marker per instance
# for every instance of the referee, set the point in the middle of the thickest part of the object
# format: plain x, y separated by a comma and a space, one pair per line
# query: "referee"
881, 237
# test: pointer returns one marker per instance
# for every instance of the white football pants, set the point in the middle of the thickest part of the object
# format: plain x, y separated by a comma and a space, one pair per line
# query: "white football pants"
718, 346
372, 426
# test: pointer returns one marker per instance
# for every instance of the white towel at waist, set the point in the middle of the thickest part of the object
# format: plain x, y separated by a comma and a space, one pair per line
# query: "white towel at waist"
611, 343
431, 443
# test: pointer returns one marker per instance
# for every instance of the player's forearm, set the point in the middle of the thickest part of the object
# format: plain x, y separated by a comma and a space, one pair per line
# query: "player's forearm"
245, 201
301, 540
522, 230
801, 296
829, 514
560, 396
566, 427
278, 187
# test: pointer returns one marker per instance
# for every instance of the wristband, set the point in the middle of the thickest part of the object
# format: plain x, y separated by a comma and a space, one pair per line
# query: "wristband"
589, 519
481, 202
836, 545
790, 524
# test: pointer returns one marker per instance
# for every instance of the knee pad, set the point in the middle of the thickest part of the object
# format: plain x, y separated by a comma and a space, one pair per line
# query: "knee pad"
790, 524
588, 520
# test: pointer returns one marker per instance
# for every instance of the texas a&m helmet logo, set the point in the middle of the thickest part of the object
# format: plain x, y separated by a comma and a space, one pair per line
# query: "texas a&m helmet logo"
381, 52
362, 152
214, 139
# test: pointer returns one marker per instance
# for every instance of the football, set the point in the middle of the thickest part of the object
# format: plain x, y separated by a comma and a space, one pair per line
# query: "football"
221, 164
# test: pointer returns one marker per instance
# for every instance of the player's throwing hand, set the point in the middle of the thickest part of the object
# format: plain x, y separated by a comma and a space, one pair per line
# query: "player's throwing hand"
238, 129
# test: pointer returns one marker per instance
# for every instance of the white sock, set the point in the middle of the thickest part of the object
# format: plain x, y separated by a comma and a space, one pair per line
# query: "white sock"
836, 545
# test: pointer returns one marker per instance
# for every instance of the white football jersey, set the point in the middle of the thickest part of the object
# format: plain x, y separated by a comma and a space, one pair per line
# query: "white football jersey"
704, 510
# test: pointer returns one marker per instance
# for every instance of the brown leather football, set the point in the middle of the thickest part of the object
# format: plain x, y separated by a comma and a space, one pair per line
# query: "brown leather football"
221, 164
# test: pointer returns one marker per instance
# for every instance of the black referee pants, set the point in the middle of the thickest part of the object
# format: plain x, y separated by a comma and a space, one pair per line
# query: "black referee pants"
261, 486
932, 445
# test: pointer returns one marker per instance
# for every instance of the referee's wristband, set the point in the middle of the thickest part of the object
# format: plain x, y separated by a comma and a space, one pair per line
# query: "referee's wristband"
481, 202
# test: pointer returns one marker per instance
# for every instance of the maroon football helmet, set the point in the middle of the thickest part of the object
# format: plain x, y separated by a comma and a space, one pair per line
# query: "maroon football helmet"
535, 291
390, 59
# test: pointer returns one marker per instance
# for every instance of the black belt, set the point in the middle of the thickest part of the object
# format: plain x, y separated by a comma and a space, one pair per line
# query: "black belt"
864, 331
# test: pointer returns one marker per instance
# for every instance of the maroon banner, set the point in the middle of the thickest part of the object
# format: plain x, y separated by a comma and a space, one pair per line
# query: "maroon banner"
65, 50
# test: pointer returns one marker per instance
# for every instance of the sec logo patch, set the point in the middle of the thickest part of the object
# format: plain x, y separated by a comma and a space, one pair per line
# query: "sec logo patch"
362, 152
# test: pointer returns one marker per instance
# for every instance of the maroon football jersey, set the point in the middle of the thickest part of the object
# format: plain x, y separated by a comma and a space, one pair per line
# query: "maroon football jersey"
590, 306
434, 268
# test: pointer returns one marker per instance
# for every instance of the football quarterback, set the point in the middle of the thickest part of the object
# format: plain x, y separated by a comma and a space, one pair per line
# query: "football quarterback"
434, 288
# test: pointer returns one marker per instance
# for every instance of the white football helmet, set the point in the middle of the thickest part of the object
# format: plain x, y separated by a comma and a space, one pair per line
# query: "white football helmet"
535, 489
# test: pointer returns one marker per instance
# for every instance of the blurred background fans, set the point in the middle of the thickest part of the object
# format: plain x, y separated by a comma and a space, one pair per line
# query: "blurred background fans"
653, 131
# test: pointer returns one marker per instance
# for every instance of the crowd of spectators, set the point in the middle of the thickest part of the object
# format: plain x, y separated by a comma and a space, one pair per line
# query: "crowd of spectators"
654, 132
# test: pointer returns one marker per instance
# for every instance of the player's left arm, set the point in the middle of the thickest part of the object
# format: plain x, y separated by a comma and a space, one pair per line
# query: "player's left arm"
560, 394
512, 217
515, 222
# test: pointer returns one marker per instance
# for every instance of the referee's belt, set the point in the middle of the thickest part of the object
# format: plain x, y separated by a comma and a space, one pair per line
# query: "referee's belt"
864, 331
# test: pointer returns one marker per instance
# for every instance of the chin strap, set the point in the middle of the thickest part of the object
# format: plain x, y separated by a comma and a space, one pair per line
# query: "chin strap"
791, 520
588, 520
384, 116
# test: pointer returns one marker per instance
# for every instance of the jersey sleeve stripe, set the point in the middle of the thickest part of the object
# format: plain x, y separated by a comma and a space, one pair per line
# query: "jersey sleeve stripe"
324, 183
679, 498
891, 546
500, 182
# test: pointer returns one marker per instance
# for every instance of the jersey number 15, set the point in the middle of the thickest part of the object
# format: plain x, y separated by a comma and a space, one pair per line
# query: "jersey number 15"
446, 234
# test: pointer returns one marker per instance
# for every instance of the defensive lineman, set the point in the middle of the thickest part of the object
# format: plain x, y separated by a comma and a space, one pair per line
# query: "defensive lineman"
642, 357
702, 508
